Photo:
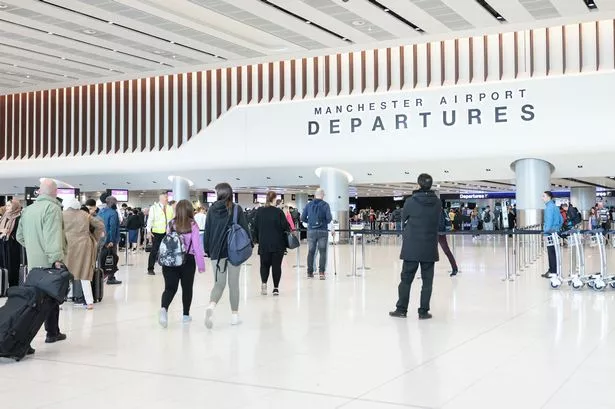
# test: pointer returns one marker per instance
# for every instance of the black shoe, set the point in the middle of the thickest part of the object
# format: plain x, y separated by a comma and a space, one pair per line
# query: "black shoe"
151, 272
113, 281
310, 275
276, 291
425, 316
546, 275
454, 273
55, 338
30, 351
398, 314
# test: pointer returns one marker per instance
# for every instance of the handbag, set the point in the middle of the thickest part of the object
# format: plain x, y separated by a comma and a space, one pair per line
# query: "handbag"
292, 242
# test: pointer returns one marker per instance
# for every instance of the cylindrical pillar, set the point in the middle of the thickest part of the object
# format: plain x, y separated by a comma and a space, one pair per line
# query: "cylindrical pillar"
533, 177
583, 198
301, 200
335, 184
181, 188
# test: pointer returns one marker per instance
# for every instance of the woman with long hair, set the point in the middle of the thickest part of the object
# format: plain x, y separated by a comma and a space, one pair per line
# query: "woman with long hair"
219, 219
10, 249
184, 224
289, 218
270, 228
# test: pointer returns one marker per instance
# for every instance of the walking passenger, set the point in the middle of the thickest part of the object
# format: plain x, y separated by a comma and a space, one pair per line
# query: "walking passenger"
186, 226
270, 229
41, 232
111, 221
10, 249
317, 215
553, 224
421, 215
157, 220
83, 232
133, 225
219, 220
446, 226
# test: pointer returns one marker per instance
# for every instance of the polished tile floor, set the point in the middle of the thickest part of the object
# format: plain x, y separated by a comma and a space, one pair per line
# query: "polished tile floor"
331, 344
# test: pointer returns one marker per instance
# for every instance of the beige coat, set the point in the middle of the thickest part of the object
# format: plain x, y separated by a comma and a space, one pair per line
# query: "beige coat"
82, 234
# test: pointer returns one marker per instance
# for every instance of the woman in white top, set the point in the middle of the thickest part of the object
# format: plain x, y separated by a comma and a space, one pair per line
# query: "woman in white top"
200, 217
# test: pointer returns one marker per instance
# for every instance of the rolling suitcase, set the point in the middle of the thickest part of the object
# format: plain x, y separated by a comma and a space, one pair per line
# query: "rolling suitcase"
23, 267
21, 318
98, 285
4, 281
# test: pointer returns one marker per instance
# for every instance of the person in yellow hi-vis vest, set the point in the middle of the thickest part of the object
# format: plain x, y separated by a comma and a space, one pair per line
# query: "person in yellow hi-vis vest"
160, 214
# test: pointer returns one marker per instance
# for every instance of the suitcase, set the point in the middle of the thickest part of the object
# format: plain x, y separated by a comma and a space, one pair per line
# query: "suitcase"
51, 281
98, 285
4, 281
23, 267
21, 318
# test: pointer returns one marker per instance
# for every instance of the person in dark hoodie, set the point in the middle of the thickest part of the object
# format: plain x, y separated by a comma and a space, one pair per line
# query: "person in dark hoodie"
219, 219
421, 217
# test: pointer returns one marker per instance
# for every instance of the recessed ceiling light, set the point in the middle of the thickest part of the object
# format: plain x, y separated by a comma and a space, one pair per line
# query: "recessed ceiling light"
209, 180
153, 181
237, 179
27, 76
50, 33
110, 22
308, 22
407, 173
174, 57
172, 42
358, 23
161, 62
579, 166
386, 10
104, 184
89, 31
446, 171
300, 177
488, 170
63, 58
268, 177
369, 174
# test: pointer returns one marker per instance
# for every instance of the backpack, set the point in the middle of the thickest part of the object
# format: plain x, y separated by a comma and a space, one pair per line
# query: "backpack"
487, 217
172, 252
238, 241
314, 221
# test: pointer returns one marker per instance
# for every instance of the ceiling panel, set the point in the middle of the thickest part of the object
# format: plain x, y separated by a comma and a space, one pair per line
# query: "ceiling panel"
74, 42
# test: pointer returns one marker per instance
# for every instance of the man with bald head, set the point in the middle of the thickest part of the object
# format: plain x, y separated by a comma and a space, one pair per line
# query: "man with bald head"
317, 216
41, 232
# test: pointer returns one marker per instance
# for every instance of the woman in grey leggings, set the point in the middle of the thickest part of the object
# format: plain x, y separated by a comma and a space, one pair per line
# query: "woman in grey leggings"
219, 219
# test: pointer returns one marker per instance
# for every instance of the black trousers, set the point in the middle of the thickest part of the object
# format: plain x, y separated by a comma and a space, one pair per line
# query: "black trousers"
273, 262
408, 272
447, 250
52, 325
173, 276
153, 255
552, 260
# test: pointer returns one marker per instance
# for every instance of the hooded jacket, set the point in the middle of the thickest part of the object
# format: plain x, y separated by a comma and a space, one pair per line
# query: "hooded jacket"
421, 218
216, 225
553, 218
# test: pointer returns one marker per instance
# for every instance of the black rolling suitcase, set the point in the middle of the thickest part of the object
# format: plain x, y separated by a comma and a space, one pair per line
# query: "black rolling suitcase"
4, 272
97, 284
21, 318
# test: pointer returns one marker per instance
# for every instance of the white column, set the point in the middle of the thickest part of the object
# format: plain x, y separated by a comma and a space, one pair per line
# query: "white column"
181, 188
583, 198
533, 177
335, 184
301, 200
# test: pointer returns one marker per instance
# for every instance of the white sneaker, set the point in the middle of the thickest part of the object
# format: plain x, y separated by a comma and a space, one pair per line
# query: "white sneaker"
209, 313
163, 318
186, 318
264, 289
235, 319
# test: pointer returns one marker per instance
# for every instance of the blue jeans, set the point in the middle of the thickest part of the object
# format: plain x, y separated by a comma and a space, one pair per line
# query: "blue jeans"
317, 239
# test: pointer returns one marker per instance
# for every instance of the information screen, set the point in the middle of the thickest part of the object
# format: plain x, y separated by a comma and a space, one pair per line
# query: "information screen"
120, 194
65, 194
212, 197
261, 198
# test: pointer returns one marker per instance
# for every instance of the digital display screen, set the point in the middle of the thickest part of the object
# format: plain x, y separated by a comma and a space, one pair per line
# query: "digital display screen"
120, 194
212, 197
66, 194
170, 196
261, 198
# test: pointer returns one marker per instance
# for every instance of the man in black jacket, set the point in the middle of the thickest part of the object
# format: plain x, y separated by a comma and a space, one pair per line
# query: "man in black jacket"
421, 216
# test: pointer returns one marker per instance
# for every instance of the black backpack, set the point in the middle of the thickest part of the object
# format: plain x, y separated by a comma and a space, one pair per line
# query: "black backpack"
487, 217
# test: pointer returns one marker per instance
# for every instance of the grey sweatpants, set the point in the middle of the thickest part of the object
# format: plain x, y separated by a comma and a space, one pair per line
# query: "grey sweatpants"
230, 273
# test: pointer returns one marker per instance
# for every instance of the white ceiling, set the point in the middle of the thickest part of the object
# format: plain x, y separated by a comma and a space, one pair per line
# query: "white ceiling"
54, 43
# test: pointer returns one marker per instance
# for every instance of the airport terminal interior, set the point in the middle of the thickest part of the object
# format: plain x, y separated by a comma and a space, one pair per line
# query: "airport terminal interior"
480, 128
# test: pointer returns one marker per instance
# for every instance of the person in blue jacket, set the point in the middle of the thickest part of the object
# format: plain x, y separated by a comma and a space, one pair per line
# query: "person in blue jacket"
108, 213
553, 223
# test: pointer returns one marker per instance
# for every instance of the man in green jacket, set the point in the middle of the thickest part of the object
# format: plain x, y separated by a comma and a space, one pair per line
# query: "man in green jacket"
41, 232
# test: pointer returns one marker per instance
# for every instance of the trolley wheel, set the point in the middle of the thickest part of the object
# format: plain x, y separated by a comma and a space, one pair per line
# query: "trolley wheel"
577, 285
599, 285
612, 284
590, 284
556, 282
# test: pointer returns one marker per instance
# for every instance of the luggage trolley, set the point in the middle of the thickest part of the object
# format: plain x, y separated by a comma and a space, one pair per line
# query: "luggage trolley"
599, 280
553, 240
577, 278
610, 280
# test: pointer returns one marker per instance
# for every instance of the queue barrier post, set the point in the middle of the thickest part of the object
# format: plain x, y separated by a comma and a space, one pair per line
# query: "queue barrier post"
126, 246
